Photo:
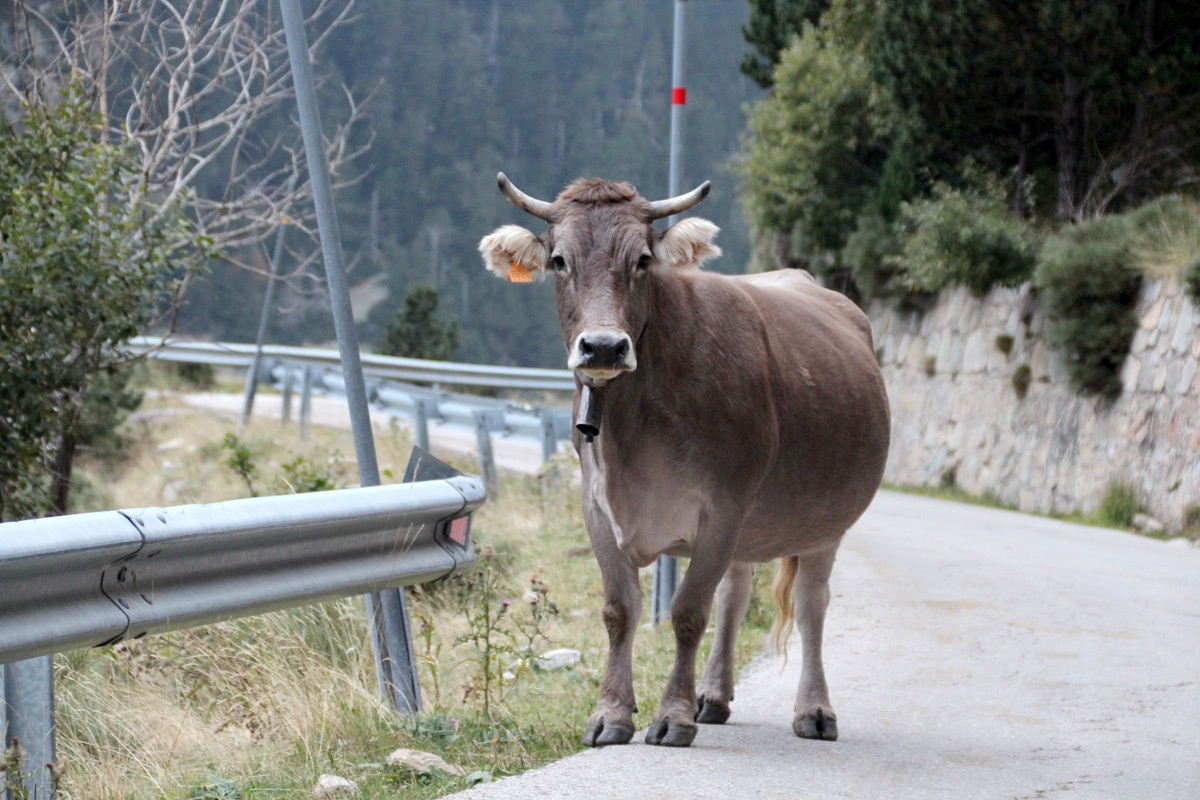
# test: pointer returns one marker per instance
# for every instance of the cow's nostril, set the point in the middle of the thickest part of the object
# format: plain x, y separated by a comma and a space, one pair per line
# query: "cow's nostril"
620, 351
585, 348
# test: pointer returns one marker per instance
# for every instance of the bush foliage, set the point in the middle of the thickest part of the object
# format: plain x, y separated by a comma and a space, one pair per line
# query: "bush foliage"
1090, 288
966, 237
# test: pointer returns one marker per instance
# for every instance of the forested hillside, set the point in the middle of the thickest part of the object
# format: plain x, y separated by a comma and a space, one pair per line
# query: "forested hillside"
545, 90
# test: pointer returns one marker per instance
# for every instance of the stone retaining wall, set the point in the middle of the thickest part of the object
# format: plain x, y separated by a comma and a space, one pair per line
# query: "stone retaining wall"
957, 416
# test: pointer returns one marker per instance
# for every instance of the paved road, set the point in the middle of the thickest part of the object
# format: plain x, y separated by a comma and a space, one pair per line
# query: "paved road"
971, 654
516, 454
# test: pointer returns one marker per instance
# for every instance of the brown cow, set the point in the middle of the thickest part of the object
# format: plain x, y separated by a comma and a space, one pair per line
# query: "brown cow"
744, 420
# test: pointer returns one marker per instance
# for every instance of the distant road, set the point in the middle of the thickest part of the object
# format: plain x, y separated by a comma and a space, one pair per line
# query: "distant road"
971, 654
516, 454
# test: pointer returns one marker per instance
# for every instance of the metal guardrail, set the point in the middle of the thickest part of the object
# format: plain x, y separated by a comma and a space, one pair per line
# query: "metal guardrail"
390, 367
96, 579
320, 371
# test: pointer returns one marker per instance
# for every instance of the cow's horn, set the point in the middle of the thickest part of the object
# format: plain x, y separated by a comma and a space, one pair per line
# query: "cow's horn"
539, 208
677, 205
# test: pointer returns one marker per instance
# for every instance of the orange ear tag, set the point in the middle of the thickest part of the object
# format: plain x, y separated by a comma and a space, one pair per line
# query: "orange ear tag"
519, 273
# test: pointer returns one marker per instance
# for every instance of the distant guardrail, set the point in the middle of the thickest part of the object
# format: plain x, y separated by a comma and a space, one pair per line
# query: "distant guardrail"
389, 367
320, 370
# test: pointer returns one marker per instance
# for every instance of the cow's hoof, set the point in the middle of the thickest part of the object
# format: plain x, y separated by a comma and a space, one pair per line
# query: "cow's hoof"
668, 733
599, 734
818, 724
712, 711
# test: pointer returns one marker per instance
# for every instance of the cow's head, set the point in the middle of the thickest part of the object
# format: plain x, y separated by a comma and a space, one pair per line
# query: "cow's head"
604, 254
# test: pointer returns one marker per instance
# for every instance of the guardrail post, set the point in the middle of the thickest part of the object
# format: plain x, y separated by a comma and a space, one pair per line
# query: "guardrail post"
487, 462
289, 378
27, 714
306, 387
549, 434
421, 423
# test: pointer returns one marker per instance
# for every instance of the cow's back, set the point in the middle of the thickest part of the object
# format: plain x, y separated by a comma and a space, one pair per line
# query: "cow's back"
830, 408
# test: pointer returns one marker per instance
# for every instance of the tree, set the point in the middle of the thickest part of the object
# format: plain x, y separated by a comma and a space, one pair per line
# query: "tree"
417, 332
817, 150
770, 28
1104, 95
87, 259
199, 93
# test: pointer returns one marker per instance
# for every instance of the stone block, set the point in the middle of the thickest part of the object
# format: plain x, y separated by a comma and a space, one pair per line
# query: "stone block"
1148, 369
1150, 319
1160, 378
1187, 375
1164, 319
1129, 373
1171, 379
1039, 363
1185, 328
975, 353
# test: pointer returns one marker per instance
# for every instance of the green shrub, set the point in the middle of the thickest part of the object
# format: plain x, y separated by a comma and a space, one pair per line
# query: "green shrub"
965, 237
1090, 288
1021, 380
865, 255
1120, 503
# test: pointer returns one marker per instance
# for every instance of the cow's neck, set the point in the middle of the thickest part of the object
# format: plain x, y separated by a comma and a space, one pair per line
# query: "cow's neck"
651, 401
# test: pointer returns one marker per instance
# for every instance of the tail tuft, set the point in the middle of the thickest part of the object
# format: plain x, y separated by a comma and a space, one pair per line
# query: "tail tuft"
785, 609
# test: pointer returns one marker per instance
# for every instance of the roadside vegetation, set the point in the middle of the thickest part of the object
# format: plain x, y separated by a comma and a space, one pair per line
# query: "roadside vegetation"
262, 707
908, 148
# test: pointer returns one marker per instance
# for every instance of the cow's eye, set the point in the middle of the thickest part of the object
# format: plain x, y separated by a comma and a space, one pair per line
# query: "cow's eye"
560, 263
644, 262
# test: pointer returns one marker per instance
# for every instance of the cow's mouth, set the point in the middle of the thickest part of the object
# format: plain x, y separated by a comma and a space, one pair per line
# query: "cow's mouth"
601, 374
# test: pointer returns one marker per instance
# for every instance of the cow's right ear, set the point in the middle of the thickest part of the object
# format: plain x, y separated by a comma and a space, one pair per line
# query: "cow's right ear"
514, 254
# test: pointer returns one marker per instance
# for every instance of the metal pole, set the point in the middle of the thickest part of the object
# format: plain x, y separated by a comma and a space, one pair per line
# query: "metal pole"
405, 695
487, 462
27, 714
306, 404
421, 424
285, 402
549, 435
666, 569
268, 300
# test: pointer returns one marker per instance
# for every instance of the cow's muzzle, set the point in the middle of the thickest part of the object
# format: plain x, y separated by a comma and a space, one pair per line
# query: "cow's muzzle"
602, 354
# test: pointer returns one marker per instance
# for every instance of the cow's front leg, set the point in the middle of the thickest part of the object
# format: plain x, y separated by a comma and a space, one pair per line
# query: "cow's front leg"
814, 718
716, 686
612, 722
674, 723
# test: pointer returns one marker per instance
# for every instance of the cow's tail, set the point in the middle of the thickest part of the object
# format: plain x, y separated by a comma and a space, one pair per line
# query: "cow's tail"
785, 609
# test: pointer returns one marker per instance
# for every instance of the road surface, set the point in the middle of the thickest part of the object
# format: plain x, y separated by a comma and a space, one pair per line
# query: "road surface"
971, 654
513, 453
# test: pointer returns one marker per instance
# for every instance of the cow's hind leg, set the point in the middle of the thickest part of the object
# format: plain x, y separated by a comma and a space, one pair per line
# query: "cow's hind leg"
814, 717
715, 691
612, 722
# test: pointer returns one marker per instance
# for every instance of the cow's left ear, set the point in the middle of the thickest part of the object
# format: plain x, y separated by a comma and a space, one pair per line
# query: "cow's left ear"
688, 243
514, 254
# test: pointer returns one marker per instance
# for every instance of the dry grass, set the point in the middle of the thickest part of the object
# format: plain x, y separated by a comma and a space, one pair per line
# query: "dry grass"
259, 708
1167, 240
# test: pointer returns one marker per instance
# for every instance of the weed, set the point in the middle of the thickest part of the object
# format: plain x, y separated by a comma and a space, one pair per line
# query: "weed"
930, 366
1193, 280
1120, 503
300, 476
1021, 379
949, 477
241, 461
1004, 343
14, 776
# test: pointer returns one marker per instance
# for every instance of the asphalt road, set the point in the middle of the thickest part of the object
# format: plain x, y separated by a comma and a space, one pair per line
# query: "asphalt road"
513, 453
971, 653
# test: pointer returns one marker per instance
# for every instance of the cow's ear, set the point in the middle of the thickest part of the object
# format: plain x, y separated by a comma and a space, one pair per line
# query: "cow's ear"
688, 243
514, 254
